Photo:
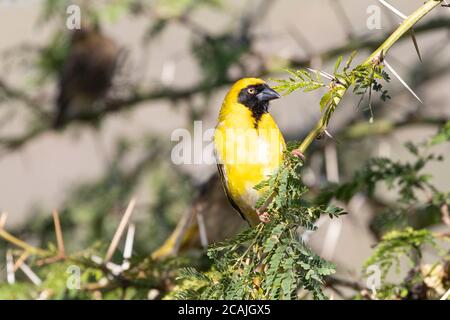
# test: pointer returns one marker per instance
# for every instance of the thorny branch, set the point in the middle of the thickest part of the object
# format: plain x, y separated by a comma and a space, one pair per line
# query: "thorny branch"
376, 57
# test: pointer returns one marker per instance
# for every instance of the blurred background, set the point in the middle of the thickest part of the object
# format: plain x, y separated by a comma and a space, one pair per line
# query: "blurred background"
86, 117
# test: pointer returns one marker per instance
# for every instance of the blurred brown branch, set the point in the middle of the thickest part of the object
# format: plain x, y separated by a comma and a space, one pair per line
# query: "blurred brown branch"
43, 121
16, 94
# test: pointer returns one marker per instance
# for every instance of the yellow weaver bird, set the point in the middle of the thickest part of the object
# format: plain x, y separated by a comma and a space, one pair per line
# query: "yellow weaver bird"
248, 145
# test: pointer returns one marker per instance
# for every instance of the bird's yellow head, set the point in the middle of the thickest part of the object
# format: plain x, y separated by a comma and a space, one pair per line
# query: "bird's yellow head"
253, 93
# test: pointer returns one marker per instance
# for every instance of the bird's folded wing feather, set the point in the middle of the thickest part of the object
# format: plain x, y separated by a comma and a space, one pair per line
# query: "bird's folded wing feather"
224, 184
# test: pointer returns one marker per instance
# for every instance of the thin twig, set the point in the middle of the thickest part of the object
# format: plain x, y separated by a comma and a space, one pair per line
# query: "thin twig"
335, 281
120, 229
59, 234
21, 244
29, 102
49, 260
23, 257
3, 218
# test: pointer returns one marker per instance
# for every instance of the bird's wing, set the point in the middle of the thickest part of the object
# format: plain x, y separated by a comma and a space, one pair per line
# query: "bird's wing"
224, 184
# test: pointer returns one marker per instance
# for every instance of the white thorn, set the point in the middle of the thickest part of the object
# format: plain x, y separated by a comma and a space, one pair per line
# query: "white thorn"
446, 295
114, 268
401, 80
128, 250
125, 265
202, 230
10, 275
44, 295
403, 16
322, 73
329, 135
123, 223
152, 294
3, 217
96, 259
30, 274
103, 282
393, 9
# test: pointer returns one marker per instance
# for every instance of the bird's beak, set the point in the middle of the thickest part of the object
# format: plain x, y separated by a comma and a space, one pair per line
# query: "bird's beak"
267, 94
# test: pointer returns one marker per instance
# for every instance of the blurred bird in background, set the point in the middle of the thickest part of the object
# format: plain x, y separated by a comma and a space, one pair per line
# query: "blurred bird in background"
87, 73
248, 145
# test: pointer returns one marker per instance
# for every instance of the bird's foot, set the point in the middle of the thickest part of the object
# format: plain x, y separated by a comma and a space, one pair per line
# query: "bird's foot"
298, 154
263, 216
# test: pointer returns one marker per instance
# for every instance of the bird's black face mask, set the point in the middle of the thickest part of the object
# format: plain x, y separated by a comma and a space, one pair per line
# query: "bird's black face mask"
256, 98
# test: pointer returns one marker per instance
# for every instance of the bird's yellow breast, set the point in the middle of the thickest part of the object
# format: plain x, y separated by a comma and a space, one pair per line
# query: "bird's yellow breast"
248, 151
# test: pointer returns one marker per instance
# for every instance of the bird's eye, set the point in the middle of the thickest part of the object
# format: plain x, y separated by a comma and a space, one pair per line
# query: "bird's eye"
251, 90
